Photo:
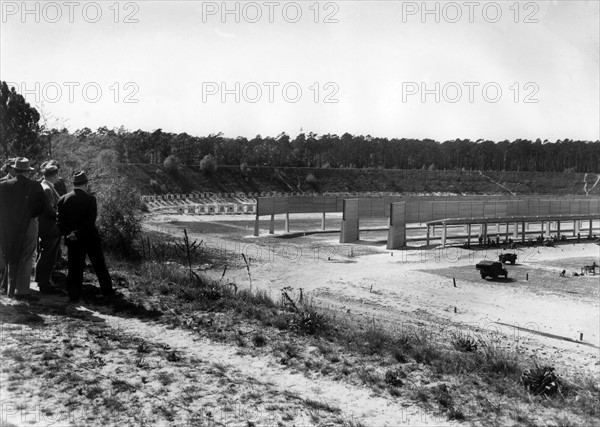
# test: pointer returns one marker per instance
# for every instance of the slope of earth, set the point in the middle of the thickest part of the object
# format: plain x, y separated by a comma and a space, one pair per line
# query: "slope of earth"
154, 179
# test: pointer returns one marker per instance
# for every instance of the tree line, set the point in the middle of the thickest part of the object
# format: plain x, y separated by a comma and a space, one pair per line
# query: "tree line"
330, 151
22, 135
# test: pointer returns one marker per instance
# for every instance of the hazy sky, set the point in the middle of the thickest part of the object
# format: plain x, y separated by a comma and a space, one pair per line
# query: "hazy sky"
384, 62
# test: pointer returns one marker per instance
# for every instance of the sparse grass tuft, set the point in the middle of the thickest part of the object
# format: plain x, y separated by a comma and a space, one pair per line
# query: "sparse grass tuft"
541, 381
322, 406
309, 321
394, 377
464, 343
259, 340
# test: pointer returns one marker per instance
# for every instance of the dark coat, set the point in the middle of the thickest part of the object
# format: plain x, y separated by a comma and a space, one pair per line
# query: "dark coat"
48, 227
61, 187
77, 212
20, 200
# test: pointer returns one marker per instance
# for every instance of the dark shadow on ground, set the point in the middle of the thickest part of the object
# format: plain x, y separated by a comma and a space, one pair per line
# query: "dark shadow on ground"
19, 314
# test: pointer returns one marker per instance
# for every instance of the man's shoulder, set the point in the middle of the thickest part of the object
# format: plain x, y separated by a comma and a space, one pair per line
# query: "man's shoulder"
77, 195
34, 185
67, 196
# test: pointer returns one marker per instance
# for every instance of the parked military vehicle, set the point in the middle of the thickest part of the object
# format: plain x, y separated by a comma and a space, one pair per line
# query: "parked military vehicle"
491, 269
504, 258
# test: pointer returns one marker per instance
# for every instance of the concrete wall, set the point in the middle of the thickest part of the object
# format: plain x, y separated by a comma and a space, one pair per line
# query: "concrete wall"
298, 204
397, 231
350, 221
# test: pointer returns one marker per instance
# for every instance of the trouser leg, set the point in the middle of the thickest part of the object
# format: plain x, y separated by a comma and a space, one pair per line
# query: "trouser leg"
3, 275
94, 251
25, 260
46, 261
76, 264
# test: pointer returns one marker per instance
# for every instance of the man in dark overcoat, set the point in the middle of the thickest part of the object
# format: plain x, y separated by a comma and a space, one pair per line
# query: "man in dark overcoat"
21, 201
76, 220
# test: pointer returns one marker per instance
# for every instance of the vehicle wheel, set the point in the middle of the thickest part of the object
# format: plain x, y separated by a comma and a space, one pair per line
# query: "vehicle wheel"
483, 276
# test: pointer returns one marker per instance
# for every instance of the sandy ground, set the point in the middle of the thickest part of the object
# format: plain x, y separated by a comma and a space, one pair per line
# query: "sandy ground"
209, 383
535, 311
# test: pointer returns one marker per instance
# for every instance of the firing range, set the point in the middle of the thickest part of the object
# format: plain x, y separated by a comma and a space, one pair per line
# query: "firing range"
514, 212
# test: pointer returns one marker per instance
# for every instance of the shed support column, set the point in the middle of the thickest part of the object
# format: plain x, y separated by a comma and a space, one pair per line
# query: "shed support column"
516, 231
272, 224
575, 228
485, 235
558, 229
506, 235
444, 230
427, 240
323, 222
256, 226
523, 231
542, 232
469, 234
287, 222
591, 227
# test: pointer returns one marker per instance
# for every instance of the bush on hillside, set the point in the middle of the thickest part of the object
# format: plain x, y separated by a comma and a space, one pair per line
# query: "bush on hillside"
245, 169
119, 217
155, 186
108, 158
172, 164
208, 165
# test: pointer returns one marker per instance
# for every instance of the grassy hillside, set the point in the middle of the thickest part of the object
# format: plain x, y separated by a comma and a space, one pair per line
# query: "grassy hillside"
155, 179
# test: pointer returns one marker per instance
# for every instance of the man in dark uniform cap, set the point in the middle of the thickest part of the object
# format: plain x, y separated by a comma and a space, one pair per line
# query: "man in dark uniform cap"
76, 220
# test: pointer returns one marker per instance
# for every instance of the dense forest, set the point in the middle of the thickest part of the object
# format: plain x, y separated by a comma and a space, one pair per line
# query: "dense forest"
324, 151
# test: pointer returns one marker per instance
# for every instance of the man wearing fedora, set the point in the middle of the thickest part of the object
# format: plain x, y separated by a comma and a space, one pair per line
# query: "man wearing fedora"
21, 201
76, 220
49, 233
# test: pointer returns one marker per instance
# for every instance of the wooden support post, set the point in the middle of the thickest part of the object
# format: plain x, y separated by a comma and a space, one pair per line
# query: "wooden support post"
323, 222
469, 234
523, 225
256, 226
591, 227
575, 228
516, 231
427, 241
287, 222
444, 230
485, 232
558, 229
272, 224
506, 235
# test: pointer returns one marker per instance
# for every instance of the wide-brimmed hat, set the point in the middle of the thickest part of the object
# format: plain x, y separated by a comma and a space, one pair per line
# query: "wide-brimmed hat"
21, 164
79, 178
49, 163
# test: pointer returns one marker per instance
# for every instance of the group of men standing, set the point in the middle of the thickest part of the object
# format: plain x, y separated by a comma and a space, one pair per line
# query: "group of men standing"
38, 215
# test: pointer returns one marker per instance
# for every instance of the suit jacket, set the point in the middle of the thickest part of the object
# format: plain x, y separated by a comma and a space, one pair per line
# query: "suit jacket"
61, 187
77, 212
48, 227
21, 199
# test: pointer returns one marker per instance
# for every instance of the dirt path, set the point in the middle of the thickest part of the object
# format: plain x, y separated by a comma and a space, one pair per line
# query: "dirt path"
100, 369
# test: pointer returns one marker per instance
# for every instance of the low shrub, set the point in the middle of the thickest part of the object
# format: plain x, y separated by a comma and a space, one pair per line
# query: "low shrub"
119, 217
541, 381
